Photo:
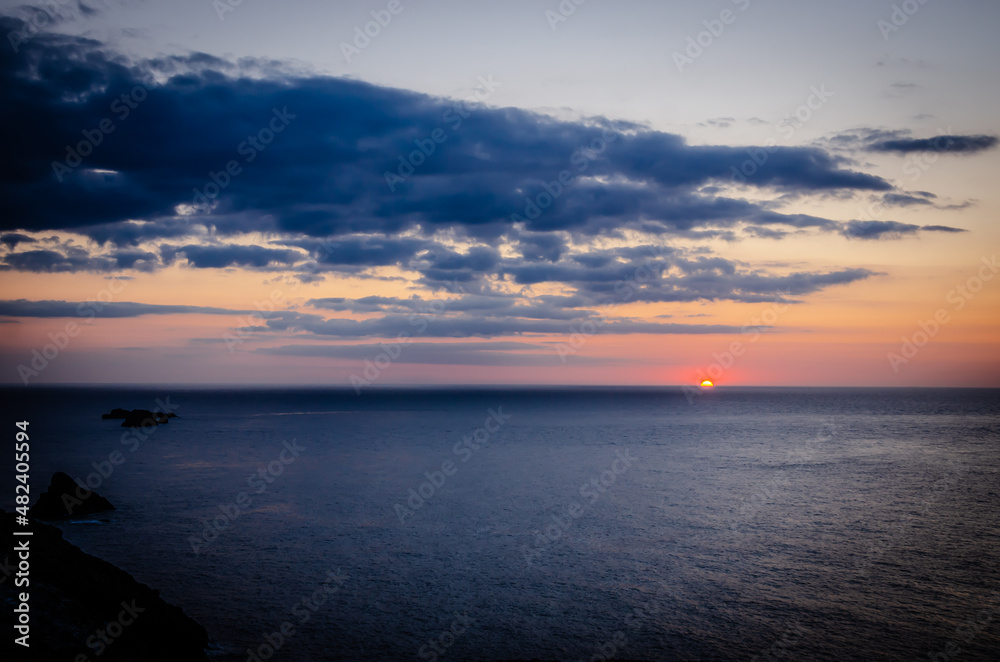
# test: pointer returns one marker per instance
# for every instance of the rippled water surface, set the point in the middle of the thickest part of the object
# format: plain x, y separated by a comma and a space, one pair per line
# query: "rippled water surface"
813, 524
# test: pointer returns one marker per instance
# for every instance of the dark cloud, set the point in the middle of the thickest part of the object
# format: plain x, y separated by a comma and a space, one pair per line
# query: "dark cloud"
675, 279
764, 233
537, 246
360, 252
76, 258
134, 259
132, 233
324, 174
901, 141
890, 229
906, 200
345, 177
368, 304
945, 144
113, 309
862, 137
494, 353
539, 307
923, 199
593, 278
941, 228
33, 17
12, 239
466, 326
878, 229
215, 257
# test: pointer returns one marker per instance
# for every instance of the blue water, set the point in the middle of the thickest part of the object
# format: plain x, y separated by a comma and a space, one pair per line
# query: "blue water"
810, 524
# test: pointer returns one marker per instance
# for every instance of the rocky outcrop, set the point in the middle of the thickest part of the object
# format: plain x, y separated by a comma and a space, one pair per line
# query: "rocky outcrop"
65, 498
83, 608
139, 418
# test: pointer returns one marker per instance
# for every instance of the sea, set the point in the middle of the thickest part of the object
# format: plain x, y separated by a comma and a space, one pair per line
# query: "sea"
509, 523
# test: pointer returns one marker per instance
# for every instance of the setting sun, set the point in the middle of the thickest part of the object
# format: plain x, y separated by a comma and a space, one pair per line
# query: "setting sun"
707, 383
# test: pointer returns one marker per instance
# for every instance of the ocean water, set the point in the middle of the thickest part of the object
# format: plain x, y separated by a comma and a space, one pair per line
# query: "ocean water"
560, 524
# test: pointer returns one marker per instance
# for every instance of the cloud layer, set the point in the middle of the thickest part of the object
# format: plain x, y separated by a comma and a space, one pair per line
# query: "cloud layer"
210, 164
126, 152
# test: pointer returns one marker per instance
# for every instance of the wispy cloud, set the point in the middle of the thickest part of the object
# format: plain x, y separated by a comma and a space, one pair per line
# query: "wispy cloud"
948, 144
113, 309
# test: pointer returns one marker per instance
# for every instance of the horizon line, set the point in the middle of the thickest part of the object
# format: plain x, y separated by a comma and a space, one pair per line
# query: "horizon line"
478, 386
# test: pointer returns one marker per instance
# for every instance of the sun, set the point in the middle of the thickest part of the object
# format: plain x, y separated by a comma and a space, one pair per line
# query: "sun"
707, 383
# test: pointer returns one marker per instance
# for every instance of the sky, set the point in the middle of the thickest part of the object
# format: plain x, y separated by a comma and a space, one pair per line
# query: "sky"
395, 192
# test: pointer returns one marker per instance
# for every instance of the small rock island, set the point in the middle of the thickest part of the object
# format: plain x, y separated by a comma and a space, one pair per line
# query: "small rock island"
139, 418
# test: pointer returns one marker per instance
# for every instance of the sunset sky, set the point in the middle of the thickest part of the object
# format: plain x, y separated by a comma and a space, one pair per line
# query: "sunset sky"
519, 192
